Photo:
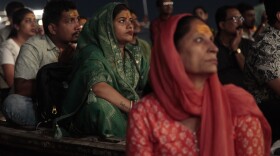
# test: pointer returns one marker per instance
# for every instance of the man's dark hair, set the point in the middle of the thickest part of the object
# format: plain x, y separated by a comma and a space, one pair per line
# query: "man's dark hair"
243, 7
53, 11
221, 14
159, 3
271, 8
12, 7
199, 7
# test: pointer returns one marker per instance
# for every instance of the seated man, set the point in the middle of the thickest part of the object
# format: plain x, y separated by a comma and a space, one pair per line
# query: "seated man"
62, 28
232, 47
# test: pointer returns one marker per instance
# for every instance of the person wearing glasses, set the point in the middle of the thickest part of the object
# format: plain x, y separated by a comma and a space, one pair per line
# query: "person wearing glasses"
165, 11
232, 47
62, 28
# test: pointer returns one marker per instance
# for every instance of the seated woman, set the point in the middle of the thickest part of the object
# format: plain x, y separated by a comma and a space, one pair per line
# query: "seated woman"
189, 111
109, 74
24, 26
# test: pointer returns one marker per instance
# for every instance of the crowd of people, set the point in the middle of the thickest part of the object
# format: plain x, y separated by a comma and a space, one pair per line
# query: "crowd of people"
187, 90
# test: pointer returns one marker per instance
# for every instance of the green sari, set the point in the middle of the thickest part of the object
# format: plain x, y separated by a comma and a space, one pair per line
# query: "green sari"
99, 60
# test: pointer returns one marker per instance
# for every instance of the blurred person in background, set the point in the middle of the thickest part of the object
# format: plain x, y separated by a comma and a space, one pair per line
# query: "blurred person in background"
10, 8
83, 20
24, 27
165, 11
232, 47
137, 41
262, 74
200, 12
250, 30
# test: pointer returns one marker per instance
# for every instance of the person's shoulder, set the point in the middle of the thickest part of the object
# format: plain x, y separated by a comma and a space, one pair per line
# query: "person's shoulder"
37, 40
143, 42
90, 51
238, 94
8, 44
5, 29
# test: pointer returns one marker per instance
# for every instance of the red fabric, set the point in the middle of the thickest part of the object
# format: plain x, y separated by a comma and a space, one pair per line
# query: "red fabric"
216, 105
151, 131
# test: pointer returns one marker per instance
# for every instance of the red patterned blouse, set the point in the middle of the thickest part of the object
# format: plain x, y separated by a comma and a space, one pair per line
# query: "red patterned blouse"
152, 132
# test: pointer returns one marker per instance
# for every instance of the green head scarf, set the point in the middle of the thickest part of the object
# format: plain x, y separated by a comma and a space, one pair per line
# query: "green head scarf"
100, 31
99, 60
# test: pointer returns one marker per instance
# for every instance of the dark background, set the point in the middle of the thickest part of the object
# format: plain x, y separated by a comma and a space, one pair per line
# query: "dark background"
88, 7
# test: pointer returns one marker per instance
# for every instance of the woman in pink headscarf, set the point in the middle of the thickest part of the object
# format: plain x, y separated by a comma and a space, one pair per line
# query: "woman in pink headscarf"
189, 111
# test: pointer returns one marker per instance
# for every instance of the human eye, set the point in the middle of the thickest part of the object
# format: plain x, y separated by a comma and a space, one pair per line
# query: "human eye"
72, 20
28, 20
212, 38
67, 20
198, 39
121, 20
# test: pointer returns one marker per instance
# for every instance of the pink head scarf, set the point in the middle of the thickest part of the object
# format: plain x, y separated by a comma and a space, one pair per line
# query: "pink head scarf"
217, 105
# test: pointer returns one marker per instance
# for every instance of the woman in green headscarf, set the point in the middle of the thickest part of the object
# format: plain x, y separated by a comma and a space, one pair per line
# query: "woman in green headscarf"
110, 74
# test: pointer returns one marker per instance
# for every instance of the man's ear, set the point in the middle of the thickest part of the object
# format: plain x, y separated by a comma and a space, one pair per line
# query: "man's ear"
221, 25
52, 29
278, 15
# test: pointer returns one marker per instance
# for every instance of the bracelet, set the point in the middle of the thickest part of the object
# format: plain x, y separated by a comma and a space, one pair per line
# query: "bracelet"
131, 105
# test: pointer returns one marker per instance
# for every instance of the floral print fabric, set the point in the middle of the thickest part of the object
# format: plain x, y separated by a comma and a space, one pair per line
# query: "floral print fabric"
262, 65
152, 132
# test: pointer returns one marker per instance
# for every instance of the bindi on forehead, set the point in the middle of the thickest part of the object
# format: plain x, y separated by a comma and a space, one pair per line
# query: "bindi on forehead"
124, 14
203, 29
73, 13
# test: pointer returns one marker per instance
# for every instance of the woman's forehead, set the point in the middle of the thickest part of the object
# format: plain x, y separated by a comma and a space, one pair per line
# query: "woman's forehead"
124, 13
200, 27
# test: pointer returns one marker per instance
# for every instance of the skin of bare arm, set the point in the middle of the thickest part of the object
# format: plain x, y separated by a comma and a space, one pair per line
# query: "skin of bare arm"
107, 92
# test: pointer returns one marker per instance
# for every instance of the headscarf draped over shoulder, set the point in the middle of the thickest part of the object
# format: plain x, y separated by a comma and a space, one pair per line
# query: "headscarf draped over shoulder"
99, 31
97, 58
217, 105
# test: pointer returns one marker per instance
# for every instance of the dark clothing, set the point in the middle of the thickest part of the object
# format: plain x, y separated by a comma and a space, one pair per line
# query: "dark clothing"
155, 28
228, 68
262, 66
270, 110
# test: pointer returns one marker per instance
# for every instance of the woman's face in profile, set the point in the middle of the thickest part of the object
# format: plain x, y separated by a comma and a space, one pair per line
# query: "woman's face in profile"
123, 27
197, 50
